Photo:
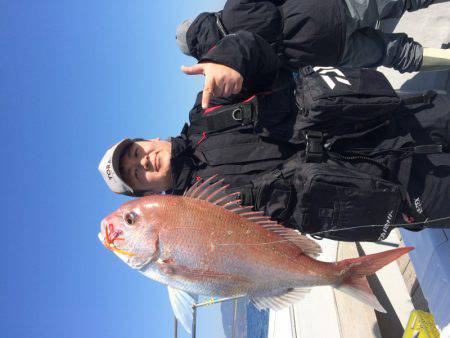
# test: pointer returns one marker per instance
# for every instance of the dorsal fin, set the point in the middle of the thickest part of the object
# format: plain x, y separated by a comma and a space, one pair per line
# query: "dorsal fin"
213, 190
199, 186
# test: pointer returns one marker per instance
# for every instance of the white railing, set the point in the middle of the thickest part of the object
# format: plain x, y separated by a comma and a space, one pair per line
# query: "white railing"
207, 303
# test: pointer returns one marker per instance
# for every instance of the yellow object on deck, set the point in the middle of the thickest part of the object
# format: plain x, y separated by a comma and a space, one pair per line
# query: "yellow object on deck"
421, 325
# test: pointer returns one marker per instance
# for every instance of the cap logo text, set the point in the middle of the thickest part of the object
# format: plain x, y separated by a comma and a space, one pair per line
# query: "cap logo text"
108, 171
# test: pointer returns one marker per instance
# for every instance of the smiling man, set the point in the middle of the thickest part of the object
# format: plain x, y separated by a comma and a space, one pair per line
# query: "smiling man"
136, 167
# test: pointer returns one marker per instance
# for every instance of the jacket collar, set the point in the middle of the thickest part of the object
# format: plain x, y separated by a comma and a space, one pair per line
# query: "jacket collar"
183, 163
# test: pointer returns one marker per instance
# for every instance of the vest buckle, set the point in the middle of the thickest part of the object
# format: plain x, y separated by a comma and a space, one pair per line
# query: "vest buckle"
314, 146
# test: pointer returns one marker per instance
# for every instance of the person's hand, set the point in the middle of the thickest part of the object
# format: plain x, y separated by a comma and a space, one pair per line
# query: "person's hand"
220, 80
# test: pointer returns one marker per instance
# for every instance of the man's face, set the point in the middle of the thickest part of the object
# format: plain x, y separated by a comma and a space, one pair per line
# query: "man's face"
145, 165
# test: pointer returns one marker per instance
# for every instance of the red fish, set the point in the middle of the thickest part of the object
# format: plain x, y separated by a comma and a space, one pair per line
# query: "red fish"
206, 243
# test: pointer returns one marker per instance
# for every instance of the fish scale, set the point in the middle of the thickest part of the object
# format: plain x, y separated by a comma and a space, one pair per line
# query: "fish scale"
229, 228
213, 235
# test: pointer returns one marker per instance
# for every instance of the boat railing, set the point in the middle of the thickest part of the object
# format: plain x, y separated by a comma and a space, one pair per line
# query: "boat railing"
208, 302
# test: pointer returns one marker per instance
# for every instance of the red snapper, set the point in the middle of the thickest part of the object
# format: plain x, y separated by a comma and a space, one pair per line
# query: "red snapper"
206, 243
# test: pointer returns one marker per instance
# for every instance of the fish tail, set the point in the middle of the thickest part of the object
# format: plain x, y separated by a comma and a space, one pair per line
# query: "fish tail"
355, 271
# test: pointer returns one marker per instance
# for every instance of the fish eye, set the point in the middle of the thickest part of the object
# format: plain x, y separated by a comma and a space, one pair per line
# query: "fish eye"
130, 218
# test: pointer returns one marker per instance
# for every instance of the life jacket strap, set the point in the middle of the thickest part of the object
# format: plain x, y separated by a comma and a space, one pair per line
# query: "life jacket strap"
226, 117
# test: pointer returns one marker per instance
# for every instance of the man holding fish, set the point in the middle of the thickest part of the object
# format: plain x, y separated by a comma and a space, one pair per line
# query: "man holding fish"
336, 153
255, 137
224, 236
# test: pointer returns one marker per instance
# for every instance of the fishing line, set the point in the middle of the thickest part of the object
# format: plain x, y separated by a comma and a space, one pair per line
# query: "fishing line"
230, 244
184, 228
402, 225
252, 244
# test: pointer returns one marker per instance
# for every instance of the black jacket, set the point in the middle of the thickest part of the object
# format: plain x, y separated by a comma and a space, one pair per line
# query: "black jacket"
241, 153
265, 35
265, 161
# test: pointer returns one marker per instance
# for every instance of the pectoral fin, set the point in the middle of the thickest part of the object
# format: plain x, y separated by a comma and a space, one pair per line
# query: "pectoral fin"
182, 306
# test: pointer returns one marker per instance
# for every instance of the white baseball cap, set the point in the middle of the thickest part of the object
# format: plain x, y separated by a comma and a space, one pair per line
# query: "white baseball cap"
181, 37
109, 167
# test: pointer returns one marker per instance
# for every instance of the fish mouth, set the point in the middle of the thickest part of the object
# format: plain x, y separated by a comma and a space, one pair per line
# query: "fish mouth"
110, 237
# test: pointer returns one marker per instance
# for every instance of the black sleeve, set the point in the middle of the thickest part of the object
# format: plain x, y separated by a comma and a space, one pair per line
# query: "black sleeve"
248, 54
255, 16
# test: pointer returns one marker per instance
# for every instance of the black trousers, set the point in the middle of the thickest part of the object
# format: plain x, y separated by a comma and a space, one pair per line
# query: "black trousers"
425, 176
429, 180
366, 46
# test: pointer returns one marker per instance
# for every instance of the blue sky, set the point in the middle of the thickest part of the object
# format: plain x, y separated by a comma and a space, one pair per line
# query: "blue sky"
75, 77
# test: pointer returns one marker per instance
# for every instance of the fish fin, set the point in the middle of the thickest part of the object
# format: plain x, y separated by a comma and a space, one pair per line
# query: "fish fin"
289, 297
200, 188
307, 245
182, 306
213, 191
355, 271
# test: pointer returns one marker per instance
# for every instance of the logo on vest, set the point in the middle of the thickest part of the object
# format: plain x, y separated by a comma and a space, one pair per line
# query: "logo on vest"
418, 205
386, 225
331, 76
